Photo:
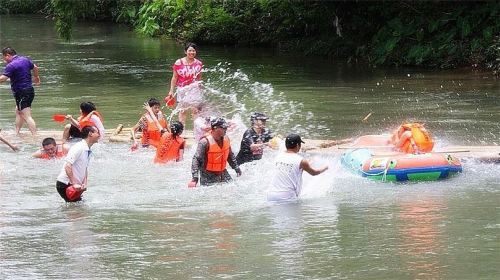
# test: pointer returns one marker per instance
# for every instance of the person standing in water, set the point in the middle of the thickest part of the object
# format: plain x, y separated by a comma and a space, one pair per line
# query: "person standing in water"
186, 76
212, 155
19, 69
286, 184
254, 139
72, 180
201, 123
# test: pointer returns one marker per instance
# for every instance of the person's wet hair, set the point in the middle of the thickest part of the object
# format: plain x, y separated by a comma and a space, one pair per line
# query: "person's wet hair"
48, 141
191, 45
87, 107
153, 101
8, 50
176, 128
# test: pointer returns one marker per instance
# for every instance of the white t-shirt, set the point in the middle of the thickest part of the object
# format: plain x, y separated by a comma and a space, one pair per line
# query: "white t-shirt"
287, 179
97, 121
79, 156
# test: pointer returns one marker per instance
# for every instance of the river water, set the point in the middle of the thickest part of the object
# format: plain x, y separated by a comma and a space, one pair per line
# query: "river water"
139, 221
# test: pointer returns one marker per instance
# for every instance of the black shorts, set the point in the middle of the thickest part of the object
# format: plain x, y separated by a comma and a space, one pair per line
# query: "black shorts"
61, 189
24, 98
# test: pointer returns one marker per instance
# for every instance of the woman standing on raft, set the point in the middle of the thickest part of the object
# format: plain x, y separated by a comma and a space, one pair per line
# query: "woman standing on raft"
186, 74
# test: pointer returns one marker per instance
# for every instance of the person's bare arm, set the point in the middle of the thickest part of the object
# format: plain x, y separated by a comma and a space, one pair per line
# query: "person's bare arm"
13, 147
36, 76
306, 166
3, 78
173, 82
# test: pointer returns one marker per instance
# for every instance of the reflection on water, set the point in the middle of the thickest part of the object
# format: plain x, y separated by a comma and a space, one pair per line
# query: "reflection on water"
139, 220
422, 236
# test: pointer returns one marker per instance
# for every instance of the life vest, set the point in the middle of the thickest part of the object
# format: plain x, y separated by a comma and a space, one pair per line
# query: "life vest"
152, 135
84, 121
59, 153
169, 148
422, 140
217, 156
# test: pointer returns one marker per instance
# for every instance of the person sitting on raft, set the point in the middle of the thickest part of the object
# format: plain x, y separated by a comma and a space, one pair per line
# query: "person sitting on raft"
412, 138
171, 145
151, 134
88, 117
212, 155
254, 139
51, 150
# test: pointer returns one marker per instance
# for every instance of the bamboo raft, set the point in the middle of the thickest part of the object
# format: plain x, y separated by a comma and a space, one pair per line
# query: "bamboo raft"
121, 134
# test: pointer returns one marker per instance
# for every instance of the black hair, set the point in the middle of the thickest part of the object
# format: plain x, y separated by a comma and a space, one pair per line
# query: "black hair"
176, 128
153, 101
87, 107
189, 45
8, 50
86, 130
48, 141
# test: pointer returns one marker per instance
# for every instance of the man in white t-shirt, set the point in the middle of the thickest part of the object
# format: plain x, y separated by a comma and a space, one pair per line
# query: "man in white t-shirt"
287, 181
72, 180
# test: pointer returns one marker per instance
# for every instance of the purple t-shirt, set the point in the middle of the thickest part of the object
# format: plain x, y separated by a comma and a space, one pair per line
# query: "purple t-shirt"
19, 72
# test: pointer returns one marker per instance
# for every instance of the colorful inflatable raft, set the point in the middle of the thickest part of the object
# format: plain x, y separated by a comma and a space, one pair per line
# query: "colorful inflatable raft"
399, 166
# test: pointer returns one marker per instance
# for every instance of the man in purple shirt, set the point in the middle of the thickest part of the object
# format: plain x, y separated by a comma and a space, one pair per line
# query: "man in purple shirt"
18, 70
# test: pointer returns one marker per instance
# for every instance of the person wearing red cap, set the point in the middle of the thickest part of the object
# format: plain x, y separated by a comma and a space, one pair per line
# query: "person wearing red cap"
287, 181
212, 155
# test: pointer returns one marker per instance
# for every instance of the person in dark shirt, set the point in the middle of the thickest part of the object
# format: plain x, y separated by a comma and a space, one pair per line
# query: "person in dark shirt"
18, 70
212, 156
254, 139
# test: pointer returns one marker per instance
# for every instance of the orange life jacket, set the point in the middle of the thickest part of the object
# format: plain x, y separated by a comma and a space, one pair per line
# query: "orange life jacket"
59, 153
169, 148
84, 121
152, 135
217, 156
423, 142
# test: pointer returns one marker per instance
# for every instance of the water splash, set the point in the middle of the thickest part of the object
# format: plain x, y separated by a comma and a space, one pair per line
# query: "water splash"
236, 95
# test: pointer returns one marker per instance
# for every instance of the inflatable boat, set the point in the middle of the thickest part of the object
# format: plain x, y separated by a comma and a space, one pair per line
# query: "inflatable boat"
395, 166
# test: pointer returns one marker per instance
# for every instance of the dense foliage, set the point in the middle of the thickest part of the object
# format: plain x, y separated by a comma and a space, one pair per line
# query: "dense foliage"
428, 33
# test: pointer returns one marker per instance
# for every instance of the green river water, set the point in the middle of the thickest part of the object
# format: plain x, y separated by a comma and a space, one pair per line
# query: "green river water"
140, 221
